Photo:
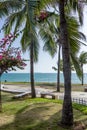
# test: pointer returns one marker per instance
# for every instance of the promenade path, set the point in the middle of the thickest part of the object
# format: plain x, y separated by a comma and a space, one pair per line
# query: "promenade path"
22, 89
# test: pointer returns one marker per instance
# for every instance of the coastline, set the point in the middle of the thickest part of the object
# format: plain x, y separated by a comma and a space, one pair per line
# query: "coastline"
39, 77
45, 85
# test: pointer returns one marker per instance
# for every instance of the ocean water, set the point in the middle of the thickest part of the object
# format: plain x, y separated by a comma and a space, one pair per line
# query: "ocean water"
39, 77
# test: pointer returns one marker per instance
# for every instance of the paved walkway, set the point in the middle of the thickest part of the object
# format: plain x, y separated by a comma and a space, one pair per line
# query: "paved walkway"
19, 89
76, 95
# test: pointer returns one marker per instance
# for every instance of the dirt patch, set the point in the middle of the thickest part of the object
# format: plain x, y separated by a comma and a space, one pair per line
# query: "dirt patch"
4, 120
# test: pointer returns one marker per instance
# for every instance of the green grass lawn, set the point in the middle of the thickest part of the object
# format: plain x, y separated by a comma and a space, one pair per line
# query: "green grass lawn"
35, 114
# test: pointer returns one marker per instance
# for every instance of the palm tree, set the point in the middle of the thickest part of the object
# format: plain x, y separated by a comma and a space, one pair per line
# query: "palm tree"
49, 31
67, 113
49, 35
82, 60
24, 19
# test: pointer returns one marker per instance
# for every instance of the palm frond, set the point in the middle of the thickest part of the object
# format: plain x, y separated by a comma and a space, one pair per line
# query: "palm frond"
82, 36
49, 43
75, 37
74, 46
26, 38
8, 6
46, 4
77, 66
83, 58
36, 48
15, 19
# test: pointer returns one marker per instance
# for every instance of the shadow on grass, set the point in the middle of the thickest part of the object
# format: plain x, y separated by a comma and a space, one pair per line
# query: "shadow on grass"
39, 116
79, 117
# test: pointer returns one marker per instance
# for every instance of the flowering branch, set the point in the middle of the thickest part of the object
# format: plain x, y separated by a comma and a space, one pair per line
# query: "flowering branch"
10, 57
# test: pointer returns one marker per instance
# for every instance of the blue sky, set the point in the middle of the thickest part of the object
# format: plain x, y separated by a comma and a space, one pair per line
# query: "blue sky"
45, 61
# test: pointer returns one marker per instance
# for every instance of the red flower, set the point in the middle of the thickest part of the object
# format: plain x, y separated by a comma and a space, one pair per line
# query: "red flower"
43, 15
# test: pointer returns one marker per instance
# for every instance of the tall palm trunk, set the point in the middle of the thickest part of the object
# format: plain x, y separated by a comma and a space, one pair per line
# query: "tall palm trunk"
67, 112
32, 71
82, 75
58, 70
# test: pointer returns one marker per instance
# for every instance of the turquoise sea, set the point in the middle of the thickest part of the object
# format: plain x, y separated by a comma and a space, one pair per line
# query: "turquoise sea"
39, 77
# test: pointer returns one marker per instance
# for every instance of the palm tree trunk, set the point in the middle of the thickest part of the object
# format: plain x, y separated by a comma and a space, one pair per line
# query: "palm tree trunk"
0, 95
32, 71
67, 112
58, 70
82, 76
